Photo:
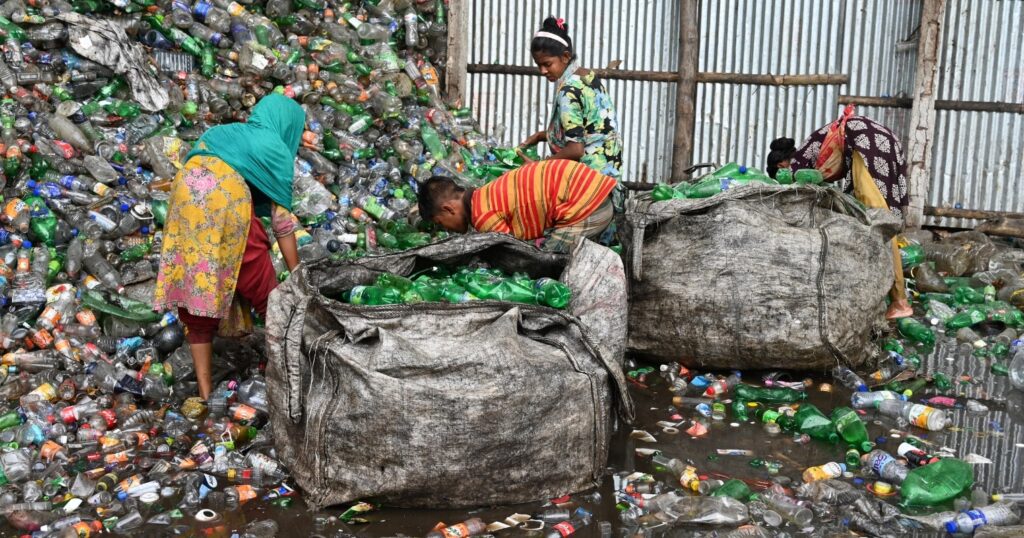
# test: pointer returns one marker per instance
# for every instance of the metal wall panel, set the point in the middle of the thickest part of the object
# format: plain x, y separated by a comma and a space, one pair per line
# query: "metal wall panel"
790, 37
643, 34
977, 161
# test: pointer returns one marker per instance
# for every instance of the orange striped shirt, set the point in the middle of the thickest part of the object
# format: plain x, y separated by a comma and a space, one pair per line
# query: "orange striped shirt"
539, 196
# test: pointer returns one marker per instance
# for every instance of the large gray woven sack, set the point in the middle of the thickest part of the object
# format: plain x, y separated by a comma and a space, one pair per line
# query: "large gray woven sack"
757, 277
437, 405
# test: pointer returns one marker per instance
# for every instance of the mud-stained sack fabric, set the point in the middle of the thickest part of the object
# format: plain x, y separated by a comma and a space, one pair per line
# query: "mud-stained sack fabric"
437, 405
757, 277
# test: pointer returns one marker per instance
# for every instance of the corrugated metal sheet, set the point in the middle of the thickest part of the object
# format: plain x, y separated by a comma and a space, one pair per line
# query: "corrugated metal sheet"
977, 161
642, 34
785, 37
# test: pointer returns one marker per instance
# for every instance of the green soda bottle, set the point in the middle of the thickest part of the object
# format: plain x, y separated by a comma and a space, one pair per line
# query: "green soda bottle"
553, 293
767, 395
852, 429
391, 280
810, 420
10, 420
808, 176
968, 295
432, 141
733, 488
663, 192
423, 291
967, 318
912, 255
936, 483
916, 331
374, 296
413, 240
509, 290
704, 189
784, 176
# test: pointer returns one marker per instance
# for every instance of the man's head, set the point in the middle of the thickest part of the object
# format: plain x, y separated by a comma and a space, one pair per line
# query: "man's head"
442, 202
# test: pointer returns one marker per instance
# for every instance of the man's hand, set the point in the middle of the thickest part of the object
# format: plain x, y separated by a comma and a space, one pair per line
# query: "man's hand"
522, 155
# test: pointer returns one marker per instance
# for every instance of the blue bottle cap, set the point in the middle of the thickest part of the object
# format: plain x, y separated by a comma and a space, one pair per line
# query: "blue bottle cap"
144, 230
26, 244
125, 207
952, 527
31, 184
743, 169
862, 387
74, 232
121, 496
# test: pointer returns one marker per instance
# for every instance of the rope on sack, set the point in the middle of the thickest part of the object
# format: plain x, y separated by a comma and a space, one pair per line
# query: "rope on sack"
822, 312
318, 351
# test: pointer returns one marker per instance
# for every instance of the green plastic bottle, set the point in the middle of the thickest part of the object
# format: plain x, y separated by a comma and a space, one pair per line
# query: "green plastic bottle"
808, 176
969, 317
767, 395
916, 331
968, 295
553, 293
784, 176
810, 420
936, 483
10, 420
912, 255
374, 296
663, 192
735, 489
432, 141
852, 429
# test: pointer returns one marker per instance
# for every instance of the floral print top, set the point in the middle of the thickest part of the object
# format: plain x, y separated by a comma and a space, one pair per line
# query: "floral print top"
208, 217
584, 112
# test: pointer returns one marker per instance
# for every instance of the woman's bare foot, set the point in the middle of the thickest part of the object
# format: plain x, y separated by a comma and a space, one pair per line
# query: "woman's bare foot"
897, 310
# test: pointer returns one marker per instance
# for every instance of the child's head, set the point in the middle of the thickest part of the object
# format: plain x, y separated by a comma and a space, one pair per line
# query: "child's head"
441, 202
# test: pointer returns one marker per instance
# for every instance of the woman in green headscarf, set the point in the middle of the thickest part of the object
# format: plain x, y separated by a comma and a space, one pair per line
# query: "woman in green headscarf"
215, 248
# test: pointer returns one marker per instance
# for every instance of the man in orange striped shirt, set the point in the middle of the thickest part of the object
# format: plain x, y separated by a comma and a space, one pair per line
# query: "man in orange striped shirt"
556, 201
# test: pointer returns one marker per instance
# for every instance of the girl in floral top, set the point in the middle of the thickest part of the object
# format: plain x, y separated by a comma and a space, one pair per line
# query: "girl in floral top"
583, 125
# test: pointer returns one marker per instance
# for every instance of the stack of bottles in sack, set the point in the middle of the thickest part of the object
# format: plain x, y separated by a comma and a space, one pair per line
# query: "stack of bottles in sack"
732, 176
96, 425
459, 286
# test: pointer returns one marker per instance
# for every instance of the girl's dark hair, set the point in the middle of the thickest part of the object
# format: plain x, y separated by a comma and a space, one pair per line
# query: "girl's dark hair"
549, 46
781, 149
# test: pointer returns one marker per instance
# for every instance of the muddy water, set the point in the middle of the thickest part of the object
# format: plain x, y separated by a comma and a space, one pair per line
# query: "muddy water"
997, 435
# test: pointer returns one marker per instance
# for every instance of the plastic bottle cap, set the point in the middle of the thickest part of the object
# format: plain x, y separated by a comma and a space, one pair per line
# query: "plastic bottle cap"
26, 244
952, 527
150, 498
205, 515
122, 496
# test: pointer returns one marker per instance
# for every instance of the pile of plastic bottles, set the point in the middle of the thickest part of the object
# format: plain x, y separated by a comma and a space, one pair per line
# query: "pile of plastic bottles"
458, 286
732, 176
101, 100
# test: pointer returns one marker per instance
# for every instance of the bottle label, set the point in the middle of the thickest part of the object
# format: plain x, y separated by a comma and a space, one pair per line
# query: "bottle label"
69, 414
977, 519
919, 415
45, 391
13, 208
564, 528
457, 531
244, 413
235, 9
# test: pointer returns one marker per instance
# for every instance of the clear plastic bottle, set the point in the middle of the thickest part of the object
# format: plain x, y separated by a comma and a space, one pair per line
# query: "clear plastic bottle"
919, 415
849, 379
868, 400
998, 514
883, 465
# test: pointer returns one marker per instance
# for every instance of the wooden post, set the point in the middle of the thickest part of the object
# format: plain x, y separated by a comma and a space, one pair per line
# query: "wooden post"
458, 50
686, 88
922, 115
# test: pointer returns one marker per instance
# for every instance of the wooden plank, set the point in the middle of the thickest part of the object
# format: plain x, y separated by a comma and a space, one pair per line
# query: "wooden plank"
922, 115
774, 80
670, 76
686, 88
982, 214
458, 50
906, 102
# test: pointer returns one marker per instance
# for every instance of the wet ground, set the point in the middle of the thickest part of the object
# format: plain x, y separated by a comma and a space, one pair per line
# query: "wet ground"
997, 435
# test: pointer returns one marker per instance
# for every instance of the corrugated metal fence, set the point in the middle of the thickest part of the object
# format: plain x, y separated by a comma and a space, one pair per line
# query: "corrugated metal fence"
977, 160
642, 34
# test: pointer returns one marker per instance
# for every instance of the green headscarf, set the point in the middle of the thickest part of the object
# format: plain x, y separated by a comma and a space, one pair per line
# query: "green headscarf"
261, 150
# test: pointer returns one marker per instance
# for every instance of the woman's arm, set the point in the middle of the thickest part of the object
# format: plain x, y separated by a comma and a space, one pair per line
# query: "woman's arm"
284, 225
289, 250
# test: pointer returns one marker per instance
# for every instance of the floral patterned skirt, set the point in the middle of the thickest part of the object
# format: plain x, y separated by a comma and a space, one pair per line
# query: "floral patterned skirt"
204, 239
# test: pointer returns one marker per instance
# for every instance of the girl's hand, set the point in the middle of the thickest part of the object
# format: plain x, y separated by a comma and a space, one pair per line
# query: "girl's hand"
534, 139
